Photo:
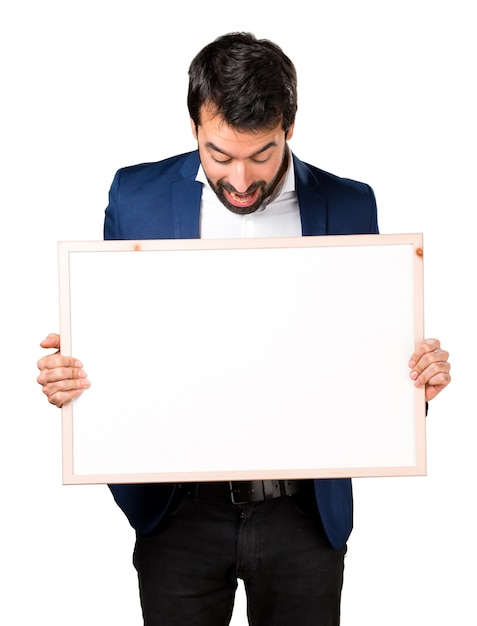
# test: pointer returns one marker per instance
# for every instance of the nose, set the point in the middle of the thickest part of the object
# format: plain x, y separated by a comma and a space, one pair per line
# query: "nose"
240, 176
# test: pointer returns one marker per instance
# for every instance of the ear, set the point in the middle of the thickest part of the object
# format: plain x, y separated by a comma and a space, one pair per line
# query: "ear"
289, 134
193, 128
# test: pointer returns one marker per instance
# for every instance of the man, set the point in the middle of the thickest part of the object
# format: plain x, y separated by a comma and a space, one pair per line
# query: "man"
286, 539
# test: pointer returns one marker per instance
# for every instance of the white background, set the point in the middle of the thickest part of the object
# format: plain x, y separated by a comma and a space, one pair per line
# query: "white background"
386, 95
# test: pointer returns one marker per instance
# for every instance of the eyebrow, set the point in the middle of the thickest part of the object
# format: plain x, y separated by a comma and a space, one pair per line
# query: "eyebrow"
212, 146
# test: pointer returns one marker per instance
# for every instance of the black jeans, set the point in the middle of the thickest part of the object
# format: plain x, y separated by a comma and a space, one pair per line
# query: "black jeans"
188, 568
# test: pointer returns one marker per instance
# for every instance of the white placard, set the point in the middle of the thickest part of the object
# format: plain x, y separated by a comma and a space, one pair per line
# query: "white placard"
232, 359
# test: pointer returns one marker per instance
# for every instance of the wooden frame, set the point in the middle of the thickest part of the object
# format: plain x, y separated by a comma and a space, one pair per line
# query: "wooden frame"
238, 359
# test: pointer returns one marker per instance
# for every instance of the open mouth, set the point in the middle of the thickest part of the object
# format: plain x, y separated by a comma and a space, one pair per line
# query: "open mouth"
241, 199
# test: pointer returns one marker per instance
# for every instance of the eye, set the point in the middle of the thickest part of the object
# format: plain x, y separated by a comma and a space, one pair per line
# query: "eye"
221, 161
262, 160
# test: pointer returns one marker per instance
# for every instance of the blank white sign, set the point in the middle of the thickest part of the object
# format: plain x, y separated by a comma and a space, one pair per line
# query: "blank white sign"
233, 359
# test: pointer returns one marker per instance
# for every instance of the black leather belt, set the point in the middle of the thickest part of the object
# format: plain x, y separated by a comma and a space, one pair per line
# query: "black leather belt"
243, 492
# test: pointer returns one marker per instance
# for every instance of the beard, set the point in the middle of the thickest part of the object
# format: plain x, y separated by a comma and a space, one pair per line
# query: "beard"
254, 196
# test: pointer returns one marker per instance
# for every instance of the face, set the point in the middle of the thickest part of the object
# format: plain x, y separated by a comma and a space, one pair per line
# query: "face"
243, 168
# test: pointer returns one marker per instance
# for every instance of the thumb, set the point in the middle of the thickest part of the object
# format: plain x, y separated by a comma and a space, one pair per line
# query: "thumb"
52, 341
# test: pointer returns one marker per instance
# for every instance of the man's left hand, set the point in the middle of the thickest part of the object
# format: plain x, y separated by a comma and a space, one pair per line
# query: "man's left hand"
430, 367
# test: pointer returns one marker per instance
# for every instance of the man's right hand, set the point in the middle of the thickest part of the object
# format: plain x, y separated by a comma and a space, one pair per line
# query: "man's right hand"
62, 377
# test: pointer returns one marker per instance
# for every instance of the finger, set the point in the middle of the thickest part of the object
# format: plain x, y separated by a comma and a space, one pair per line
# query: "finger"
423, 347
430, 359
59, 374
60, 398
433, 390
58, 361
435, 373
62, 391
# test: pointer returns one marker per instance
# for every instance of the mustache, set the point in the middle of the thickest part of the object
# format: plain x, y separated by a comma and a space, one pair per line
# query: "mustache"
231, 189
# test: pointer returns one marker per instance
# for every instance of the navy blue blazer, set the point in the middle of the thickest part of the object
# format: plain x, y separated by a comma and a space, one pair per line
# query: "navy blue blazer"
162, 201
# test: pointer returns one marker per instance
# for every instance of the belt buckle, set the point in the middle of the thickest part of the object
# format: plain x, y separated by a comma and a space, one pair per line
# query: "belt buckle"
251, 496
237, 502
232, 495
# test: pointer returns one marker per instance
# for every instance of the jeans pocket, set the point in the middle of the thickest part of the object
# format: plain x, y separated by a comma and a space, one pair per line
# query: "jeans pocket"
305, 504
177, 504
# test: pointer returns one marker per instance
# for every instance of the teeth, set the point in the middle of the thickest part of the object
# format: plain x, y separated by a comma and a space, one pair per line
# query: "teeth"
242, 197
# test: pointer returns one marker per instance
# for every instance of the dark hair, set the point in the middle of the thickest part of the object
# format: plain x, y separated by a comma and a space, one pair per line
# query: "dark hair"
249, 82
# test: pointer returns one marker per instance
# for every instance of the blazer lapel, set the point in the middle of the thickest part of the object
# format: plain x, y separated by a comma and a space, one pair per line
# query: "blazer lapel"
311, 200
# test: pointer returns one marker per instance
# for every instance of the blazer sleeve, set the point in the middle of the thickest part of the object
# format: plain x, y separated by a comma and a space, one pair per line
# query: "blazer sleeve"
111, 220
